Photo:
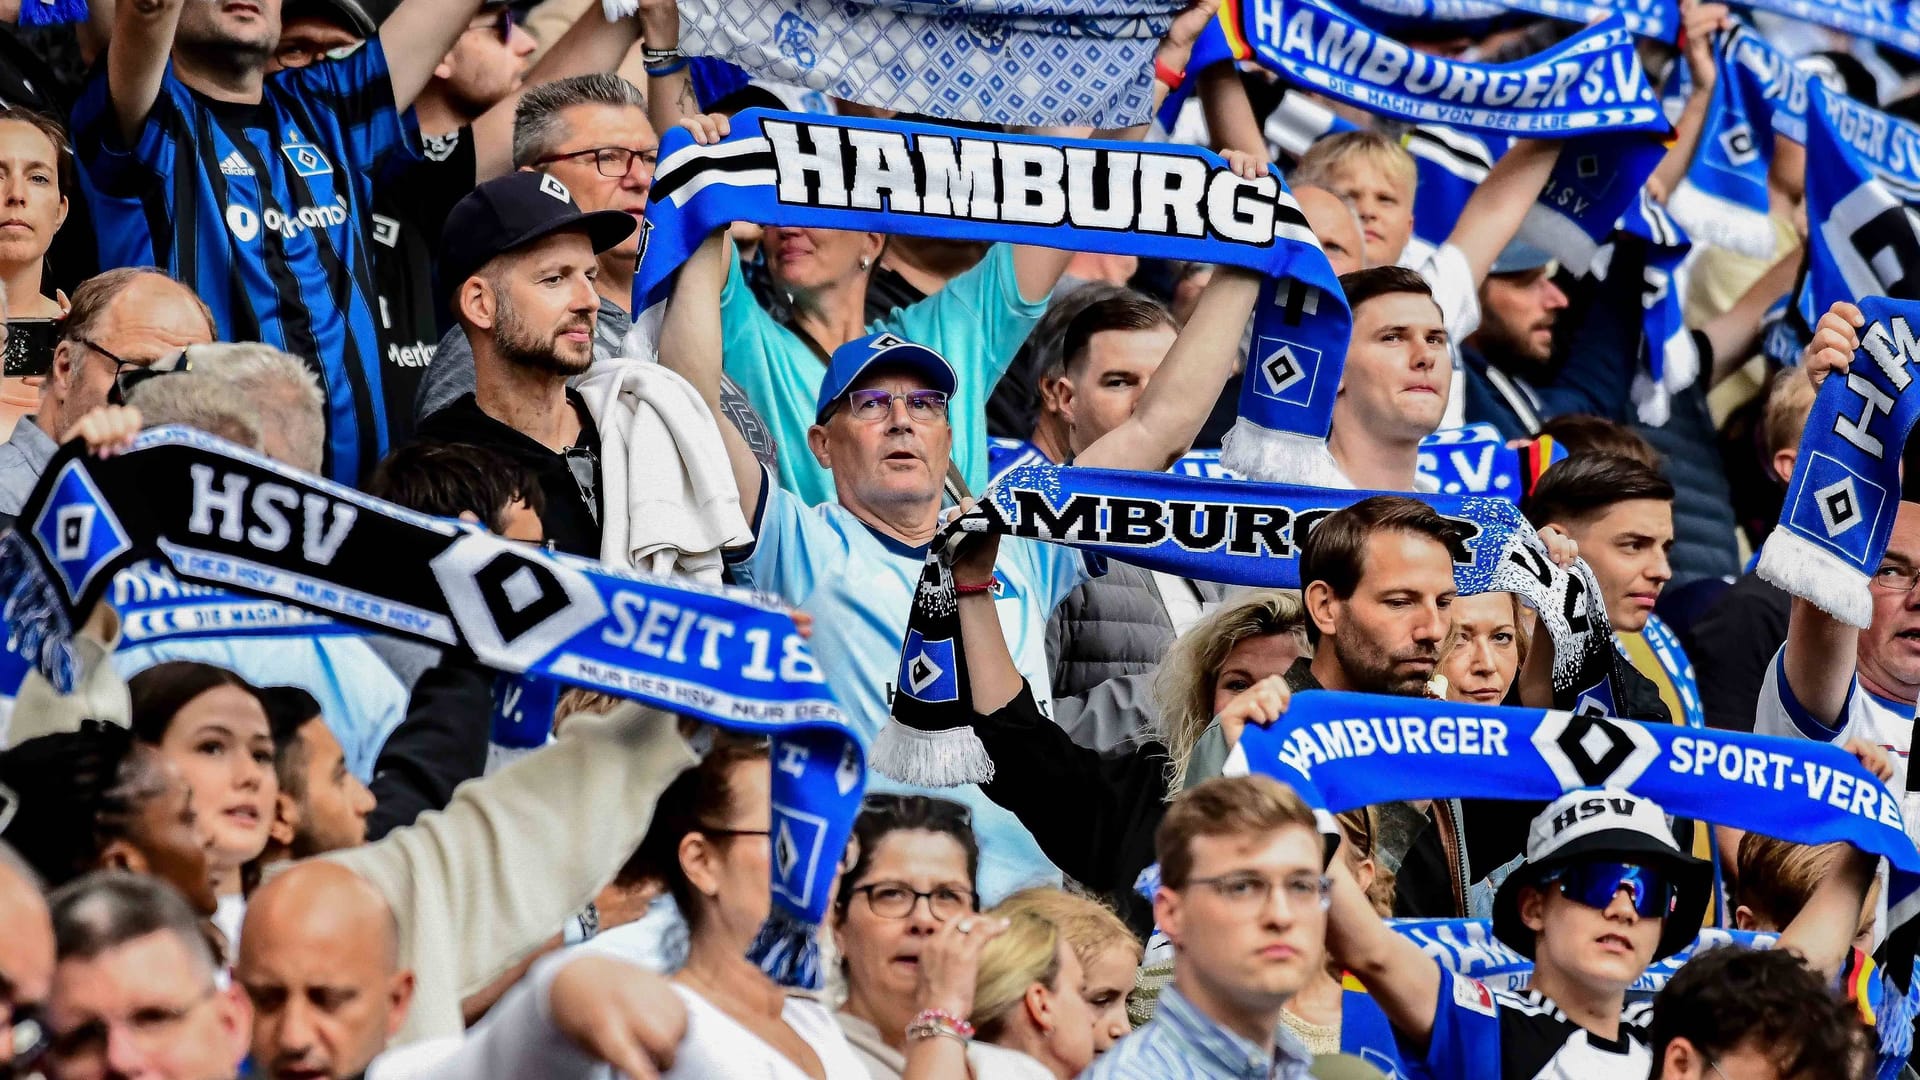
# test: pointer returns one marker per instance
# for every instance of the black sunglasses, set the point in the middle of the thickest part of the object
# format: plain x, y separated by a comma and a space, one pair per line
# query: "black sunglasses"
128, 374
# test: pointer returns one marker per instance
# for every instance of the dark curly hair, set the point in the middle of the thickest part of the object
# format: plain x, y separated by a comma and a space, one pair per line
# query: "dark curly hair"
72, 794
1769, 998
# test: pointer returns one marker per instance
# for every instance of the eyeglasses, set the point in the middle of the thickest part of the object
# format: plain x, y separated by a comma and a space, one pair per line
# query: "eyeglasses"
944, 811
584, 467
873, 406
128, 374
895, 900
1250, 891
612, 162
1596, 884
715, 830
1895, 579
146, 1027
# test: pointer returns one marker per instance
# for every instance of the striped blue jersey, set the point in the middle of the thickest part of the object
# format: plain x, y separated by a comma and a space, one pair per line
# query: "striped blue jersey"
261, 210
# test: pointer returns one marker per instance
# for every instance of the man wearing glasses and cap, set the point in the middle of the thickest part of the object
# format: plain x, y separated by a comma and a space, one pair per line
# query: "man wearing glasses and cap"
882, 431
519, 259
123, 323
1604, 892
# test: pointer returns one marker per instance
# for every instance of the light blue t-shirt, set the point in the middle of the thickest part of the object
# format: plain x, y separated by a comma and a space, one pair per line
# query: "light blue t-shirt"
977, 322
858, 586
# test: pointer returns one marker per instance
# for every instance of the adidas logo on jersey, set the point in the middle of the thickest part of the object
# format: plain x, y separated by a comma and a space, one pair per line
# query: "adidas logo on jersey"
235, 165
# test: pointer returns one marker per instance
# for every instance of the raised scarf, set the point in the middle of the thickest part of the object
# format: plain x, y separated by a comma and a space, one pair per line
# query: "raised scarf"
1343, 751
1146, 199
1590, 83
1840, 504
221, 515
1229, 531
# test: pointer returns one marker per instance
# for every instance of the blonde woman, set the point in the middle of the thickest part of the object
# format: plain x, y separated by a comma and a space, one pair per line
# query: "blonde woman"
1487, 648
1108, 952
1094, 814
1029, 998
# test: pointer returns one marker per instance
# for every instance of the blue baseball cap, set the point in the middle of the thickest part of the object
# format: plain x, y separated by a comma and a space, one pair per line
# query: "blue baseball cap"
1518, 257
852, 360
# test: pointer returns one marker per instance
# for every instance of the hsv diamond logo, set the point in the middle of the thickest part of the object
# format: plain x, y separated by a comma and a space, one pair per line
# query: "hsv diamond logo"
513, 607
1284, 367
1737, 143
554, 188
927, 669
798, 840
79, 530
1839, 506
1588, 167
306, 158
1845, 509
1594, 751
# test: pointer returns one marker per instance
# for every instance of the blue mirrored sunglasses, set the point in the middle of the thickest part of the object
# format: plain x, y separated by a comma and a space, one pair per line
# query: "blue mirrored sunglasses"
1596, 884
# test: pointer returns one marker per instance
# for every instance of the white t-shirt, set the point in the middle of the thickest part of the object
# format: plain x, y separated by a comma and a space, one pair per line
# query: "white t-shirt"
1450, 277
1886, 723
717, 1045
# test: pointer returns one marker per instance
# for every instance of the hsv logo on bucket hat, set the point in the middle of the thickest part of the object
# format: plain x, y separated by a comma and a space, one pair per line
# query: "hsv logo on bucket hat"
1606, 825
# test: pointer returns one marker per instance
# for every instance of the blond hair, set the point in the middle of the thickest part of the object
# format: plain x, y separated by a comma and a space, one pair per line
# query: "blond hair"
1789, 401
1090, 927
578, 699
1224, 806
1026, 954
1349, 149
1522, 635
1183, 689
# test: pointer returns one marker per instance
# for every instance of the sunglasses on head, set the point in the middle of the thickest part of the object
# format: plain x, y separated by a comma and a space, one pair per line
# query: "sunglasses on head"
129, 373
1596, 884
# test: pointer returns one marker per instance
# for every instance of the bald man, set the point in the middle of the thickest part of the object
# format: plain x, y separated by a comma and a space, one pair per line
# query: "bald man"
1335, 225
320, 958
26, 958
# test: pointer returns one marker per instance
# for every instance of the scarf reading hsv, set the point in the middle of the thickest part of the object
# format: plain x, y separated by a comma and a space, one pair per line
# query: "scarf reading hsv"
220, 515
1845, 490
1344, 751
1117, 198
1229, 531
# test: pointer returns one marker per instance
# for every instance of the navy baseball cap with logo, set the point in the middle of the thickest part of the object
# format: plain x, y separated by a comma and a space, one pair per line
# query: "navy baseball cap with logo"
512, 211
1594, 825
856, 357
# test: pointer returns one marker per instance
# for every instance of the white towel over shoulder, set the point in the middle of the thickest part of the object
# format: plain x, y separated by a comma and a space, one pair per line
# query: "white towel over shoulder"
671, 501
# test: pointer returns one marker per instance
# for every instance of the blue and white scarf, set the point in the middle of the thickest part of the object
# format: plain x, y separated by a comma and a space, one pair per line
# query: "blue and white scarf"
1672, 658
1893, 23
1670, 359
1723, 198
1468, 947
994, 61
1594, 181
1230, 531
1343, 751
224, 516
1657, 19
1863, 179
1170, 202
1590, 83
1840, 504
1476, 460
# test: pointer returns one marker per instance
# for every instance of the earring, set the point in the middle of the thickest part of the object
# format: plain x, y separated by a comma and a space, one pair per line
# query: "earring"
865, 262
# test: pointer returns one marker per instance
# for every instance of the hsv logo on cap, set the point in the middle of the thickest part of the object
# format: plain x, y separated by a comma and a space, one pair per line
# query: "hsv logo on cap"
552, 186
1596, 810
885, 341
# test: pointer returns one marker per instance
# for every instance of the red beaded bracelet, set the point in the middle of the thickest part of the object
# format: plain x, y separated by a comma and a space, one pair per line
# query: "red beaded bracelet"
969, 589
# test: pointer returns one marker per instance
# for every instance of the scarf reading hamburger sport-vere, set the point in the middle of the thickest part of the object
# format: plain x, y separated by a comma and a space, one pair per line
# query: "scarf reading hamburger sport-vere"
1169, 202
221, 515
1344, 751
1233, 532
